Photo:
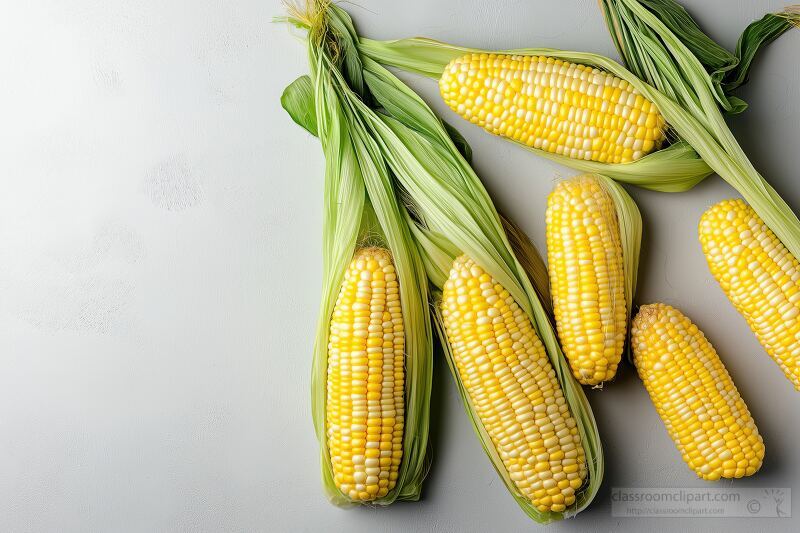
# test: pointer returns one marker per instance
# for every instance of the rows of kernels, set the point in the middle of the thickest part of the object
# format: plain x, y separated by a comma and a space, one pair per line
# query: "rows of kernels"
513, 388
587, 282
365, 409
760, 277
561, 107
694, 395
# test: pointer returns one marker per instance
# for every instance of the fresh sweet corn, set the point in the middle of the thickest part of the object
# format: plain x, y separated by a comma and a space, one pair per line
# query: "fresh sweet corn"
364, 415
694, 395
587, 281
760, 277
512, 387
560, 107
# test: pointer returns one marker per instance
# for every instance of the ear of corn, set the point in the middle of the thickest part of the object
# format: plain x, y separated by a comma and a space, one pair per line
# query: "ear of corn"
371, 373
512, 387
365, 407
759, 276
587, 277
553, 105
372, 365
694, 395
673, 168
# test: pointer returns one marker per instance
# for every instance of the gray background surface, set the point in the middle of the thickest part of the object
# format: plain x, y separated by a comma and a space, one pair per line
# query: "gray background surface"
160, 272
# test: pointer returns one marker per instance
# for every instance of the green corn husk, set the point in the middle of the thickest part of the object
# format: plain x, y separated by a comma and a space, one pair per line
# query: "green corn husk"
675, 168
630, 228
693, 114
450, 213
531, 262
727, 70
361, 209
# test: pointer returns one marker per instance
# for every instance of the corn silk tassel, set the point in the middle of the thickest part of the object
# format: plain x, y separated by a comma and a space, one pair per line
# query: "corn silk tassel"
362, 211
453, 221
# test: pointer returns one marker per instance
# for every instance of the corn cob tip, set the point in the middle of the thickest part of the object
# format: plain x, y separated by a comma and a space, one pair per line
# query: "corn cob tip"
575, 180
375, 252
646, 316
694, 395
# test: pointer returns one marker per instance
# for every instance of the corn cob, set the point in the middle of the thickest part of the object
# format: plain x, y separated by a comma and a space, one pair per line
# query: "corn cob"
694, 395
364, 416
587, 281
759, 276
560, 107
512, 386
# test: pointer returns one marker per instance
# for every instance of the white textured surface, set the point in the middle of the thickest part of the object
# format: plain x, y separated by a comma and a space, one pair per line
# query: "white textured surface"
159, 272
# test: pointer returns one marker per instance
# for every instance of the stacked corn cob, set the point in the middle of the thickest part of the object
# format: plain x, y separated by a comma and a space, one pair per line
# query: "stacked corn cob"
583, 113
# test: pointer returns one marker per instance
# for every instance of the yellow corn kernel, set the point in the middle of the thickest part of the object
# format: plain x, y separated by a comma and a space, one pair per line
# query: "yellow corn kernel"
760, 277
533, 99
512, 387
694, 395
587, 281
365, 378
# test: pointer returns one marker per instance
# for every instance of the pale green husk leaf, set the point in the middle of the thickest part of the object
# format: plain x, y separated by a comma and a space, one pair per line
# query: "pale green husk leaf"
361, 209
673, 169
630, 228
727, 70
